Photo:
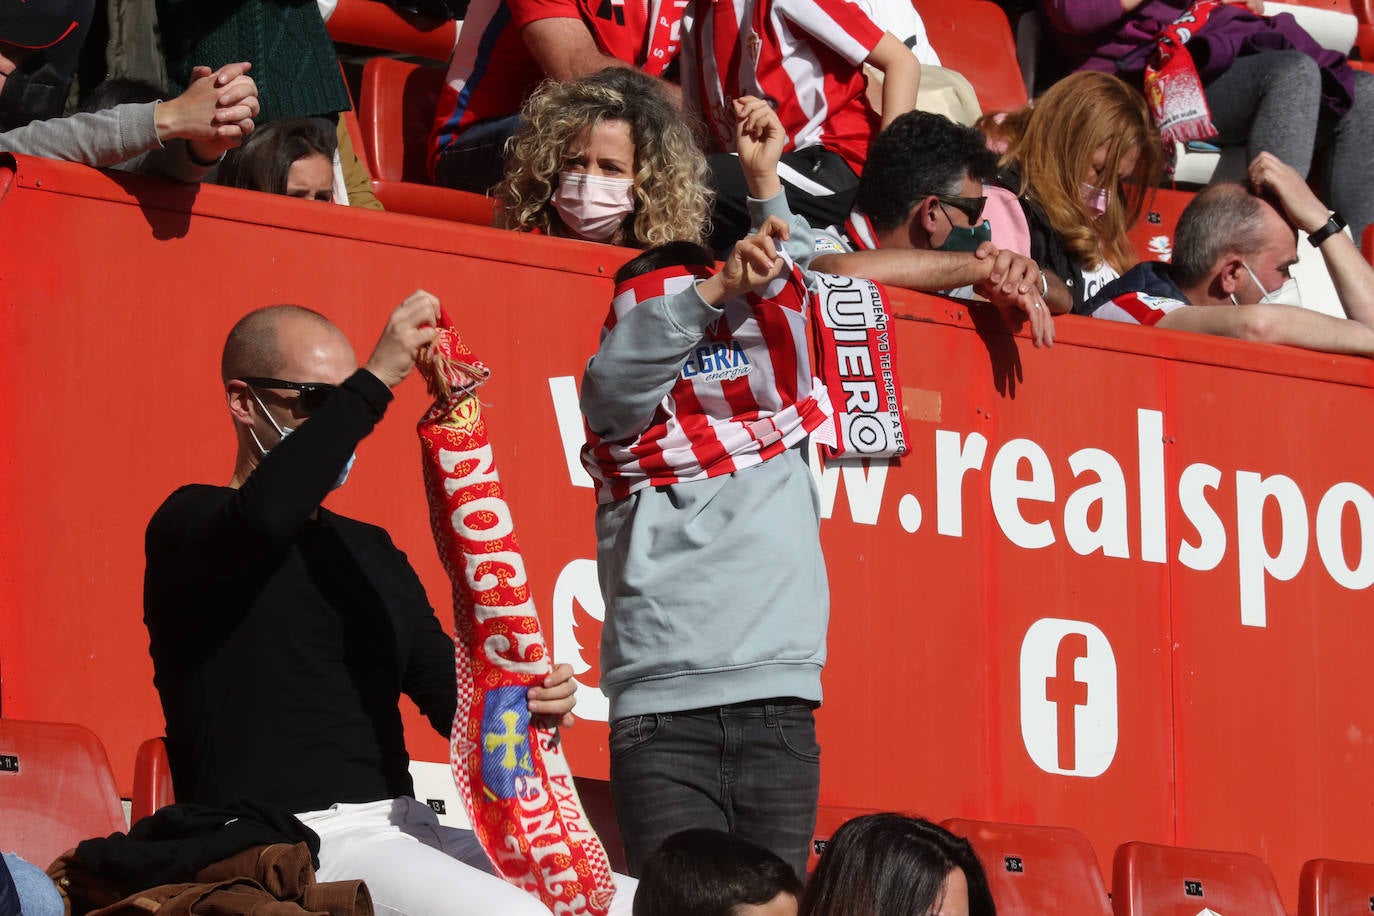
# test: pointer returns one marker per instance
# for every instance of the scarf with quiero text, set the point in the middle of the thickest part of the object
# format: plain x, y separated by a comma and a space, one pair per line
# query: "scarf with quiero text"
509, 766
855, 348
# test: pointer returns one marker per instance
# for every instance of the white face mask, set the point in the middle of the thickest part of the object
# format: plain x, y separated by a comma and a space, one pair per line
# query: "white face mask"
284, 431
1286, 294
592, 206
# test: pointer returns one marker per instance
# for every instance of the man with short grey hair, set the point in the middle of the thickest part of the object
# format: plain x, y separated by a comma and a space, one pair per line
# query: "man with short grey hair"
1234, 248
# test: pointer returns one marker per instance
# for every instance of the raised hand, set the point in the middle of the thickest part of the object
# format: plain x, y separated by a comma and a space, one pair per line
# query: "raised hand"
1300, 206
412, 325
759, 139
215, 112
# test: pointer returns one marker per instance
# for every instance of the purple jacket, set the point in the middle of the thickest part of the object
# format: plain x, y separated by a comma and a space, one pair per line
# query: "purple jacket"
1097, 35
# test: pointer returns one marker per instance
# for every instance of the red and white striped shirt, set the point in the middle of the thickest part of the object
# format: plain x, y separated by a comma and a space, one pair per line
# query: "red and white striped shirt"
804, 56
745, 394
493, 71
1138, 308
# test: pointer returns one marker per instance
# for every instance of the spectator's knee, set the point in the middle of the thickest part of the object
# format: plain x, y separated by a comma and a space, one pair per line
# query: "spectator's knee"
1291, 70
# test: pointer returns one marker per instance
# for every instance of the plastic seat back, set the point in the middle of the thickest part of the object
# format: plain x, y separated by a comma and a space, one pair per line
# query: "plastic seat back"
396, 112
1329, 887
1153, 880
1153, 233
974, 38
56, 789
378, 25
1034, 870
152, 780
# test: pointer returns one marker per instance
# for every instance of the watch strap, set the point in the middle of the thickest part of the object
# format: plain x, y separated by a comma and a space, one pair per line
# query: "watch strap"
1333, 225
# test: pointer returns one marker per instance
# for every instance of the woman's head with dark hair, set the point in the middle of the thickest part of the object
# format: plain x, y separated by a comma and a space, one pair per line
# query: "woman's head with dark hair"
893, 865
605, 158
673, 254
294, 156
703, 872
122, 90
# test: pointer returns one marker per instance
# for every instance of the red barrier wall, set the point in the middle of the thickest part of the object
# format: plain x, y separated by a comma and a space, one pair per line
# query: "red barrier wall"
1142, 609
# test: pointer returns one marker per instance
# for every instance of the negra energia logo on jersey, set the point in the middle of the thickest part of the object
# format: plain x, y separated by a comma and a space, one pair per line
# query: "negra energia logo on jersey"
1068, 697
717, 362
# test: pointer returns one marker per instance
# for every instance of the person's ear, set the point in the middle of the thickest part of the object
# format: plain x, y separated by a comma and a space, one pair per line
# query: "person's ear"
1232, 274
923, 222
240, 402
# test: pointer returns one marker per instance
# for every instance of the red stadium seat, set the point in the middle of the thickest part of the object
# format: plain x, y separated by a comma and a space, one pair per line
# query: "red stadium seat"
152, 780
1153, 234
56, 789
396, 112
1034, 870
1153, 880
1331, 888
974, 38
377, 25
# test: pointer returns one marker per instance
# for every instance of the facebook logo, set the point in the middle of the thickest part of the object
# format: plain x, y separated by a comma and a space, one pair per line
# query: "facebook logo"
1068, 697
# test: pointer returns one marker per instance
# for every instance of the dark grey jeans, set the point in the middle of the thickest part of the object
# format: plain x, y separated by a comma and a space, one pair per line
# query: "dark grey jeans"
751, 769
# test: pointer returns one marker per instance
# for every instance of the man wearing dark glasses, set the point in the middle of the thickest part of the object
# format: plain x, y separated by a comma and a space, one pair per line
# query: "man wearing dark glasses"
918, 222
283, 634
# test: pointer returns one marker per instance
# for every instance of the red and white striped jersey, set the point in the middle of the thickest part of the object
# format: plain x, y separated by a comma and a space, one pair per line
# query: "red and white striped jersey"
493, 71
1138, 308
744, 395
804, 56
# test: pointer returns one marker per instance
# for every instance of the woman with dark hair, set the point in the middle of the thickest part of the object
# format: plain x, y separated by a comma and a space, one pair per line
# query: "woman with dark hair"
704, 872
893, 865
294, 157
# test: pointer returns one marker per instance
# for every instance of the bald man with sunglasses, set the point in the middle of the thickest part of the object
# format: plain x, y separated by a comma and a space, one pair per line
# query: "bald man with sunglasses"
283, 634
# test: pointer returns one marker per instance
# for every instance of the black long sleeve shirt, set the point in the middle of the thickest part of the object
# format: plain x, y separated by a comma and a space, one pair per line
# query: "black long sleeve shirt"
281, 643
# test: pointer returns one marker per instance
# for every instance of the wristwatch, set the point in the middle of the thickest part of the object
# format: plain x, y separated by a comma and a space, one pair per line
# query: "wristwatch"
1333, 225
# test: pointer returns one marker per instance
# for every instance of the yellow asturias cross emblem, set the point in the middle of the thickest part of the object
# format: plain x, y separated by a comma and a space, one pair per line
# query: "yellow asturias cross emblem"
511, 740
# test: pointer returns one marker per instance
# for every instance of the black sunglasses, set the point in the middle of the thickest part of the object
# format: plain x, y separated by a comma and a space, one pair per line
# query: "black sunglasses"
313, 394
972, 207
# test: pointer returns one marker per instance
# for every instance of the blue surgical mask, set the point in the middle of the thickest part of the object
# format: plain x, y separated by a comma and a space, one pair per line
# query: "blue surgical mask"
967, 238
284, 431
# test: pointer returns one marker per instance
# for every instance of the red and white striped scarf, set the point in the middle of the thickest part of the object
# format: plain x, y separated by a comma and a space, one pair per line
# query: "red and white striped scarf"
508, 766
1173, 88
745, 394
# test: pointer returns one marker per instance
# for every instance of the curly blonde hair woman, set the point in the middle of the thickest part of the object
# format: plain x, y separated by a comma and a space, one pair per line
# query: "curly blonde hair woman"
606, 158
1087, 160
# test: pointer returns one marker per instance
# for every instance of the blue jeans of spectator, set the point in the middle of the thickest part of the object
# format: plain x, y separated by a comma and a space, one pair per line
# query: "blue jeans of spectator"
33, 892
751, 769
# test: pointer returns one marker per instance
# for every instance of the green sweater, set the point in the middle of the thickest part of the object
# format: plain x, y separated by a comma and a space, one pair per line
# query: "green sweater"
293, 57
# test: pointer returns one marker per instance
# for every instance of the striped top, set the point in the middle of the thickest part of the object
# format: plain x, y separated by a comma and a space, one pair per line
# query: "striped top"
744, 392
804, 56
493, 71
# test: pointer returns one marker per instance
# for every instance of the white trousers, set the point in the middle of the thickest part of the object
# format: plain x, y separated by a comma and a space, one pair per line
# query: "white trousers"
415, 866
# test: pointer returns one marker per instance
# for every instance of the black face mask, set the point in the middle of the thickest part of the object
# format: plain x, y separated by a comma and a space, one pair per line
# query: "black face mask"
31, 96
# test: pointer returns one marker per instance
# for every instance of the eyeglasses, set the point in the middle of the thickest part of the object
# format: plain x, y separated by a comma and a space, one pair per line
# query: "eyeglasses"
313, 394
972, 207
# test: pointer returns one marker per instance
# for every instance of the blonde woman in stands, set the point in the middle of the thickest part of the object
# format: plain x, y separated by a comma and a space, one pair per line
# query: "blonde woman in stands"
1267, 83
893, 865
606, 158
1084, 166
